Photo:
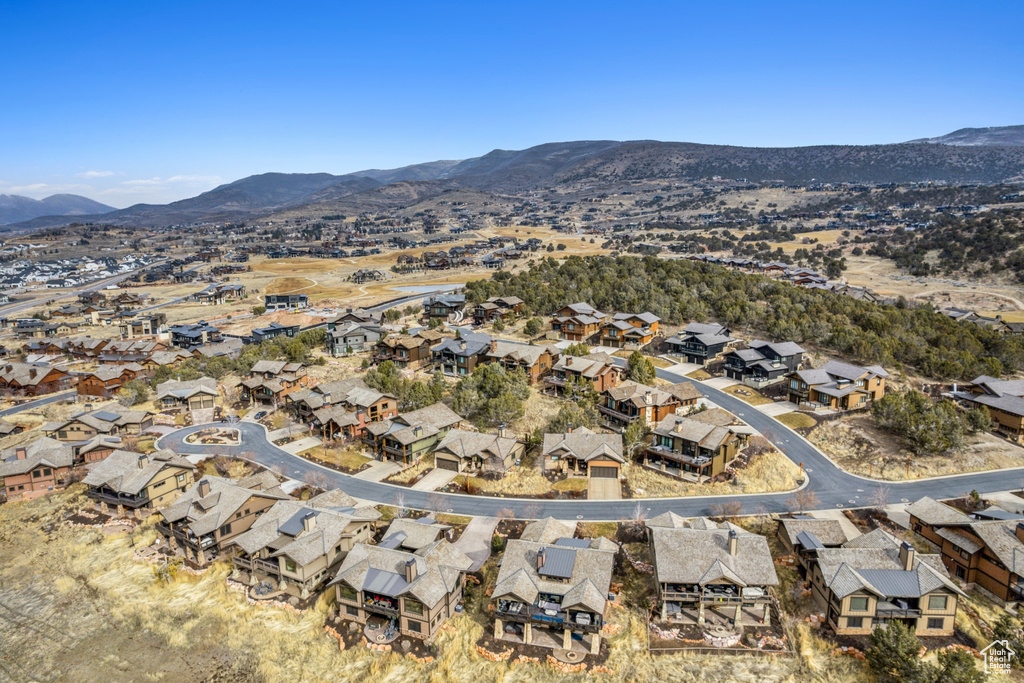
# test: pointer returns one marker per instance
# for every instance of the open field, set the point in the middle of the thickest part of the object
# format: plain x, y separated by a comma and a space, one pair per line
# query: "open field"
858, 445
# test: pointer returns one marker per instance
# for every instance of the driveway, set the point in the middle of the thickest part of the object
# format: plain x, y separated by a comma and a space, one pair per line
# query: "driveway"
719, 382
780, 408
303, 444
378, 470
681, 367
604, 488
475, 542
435, 479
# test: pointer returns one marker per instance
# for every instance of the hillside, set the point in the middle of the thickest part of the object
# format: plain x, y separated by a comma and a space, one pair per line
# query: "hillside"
16, 208
1012, 136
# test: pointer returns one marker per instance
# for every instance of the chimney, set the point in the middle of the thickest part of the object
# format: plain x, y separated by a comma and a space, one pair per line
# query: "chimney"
570, 428
327, 398
20, 453
32, 373
734, 540
648, 398
568, 360
410, 570
204, 488
494, 345
143, 461
417, 431
309, 521
907, 556
1020, 532
503, 432
540, 559
679, 425
462, 344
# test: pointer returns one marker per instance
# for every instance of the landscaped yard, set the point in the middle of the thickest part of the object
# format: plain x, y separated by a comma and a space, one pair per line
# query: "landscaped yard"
745, 393
797, 420
699, 375
518, 481
409, 474
349, 457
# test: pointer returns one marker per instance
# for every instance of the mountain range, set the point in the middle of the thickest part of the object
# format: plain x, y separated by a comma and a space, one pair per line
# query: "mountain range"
969, 155
16, 208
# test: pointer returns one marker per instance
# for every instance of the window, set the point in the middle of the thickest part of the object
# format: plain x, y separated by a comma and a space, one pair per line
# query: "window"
225, 530
858, 604
62, 434
937, 602
936, 623
413, 606
346, 592
36, 474
352, 610
181, 478
289, 565
854, 622
46, 472
415, 626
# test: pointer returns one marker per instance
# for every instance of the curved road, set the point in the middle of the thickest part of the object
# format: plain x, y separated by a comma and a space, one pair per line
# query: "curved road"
834, 487
39, 403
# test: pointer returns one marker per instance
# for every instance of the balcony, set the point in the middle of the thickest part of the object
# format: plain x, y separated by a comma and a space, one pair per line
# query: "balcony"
548, 615
555, 381
122, 499
616, 414
898, 610
670, 454
381, 605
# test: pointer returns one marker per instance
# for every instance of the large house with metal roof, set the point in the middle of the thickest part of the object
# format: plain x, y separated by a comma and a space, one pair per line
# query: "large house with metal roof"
342, 408
459, 357
1004, 400
763, 362
876, 579
297, 545
552, 588
414, 592
701, 342
837, 386
690, 448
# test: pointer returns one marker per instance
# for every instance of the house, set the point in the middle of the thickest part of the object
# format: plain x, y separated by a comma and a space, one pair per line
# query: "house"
496, 308
353, 337
690, 448
148, 325
535, 361
33, 470
582, 452
457, 357
803, 536
299, 545
195, 334
596, 370
211, 296
875, 579
629, 329
7, 429
405, 533
1004, 400
270, 381
837, 386
986, 555
342, 408
285, 302
701, 343
463, 451
710, 572
763, 363
107, 380
407, 351
197, 394
629, 401
229, 347
367, 275
444, 306
553, 593
214, 511
33, 379
687, 393
418, 590
356, 315
96, 449
112, 420
408, 437
577, 322
272, 331
137, 481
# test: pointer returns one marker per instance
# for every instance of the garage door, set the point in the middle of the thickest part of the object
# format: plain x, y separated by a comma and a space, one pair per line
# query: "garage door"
446, 464
610, 472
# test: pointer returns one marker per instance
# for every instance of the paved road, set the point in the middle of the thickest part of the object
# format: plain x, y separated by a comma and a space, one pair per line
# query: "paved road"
38, 403
833, 487
8, 310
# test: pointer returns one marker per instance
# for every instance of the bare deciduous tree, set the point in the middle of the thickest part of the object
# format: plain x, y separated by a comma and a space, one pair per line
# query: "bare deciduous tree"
400, 509
506, 513
316, 479
532, 510
436, 502
879, 498
727, 510
802, 501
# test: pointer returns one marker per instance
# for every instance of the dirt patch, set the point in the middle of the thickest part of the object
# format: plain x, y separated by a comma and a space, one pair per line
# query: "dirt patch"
859, 445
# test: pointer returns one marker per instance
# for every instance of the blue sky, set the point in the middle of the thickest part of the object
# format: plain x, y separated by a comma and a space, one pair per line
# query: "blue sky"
133, 102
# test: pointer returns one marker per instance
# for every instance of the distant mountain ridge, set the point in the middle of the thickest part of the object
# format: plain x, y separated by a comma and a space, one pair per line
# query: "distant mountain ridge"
980, 155
1012, 136
16, 208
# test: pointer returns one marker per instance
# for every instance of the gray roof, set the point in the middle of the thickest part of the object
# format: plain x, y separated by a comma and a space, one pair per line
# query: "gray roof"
827, 531
708, 436
205, 514
547, 530
638, 394
417, 533
431, 420
519, 578
584, 445
187, 389
382, 570
932, 512
463, 347
128, 472
1000, 387
698, 556
43, 451
465, 445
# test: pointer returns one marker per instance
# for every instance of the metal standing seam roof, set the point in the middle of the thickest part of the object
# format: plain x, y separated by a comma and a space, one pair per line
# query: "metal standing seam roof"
384, 582
558, 562
573, 542
809, 541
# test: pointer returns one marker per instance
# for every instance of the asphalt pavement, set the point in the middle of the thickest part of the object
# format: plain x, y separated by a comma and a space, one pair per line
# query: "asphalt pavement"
38, 403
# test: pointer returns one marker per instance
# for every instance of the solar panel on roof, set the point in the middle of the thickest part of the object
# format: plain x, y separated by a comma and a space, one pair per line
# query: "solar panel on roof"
106, 416
573, 542
558, 562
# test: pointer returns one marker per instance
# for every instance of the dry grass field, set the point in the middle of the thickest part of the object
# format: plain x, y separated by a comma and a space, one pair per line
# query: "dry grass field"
768, 473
